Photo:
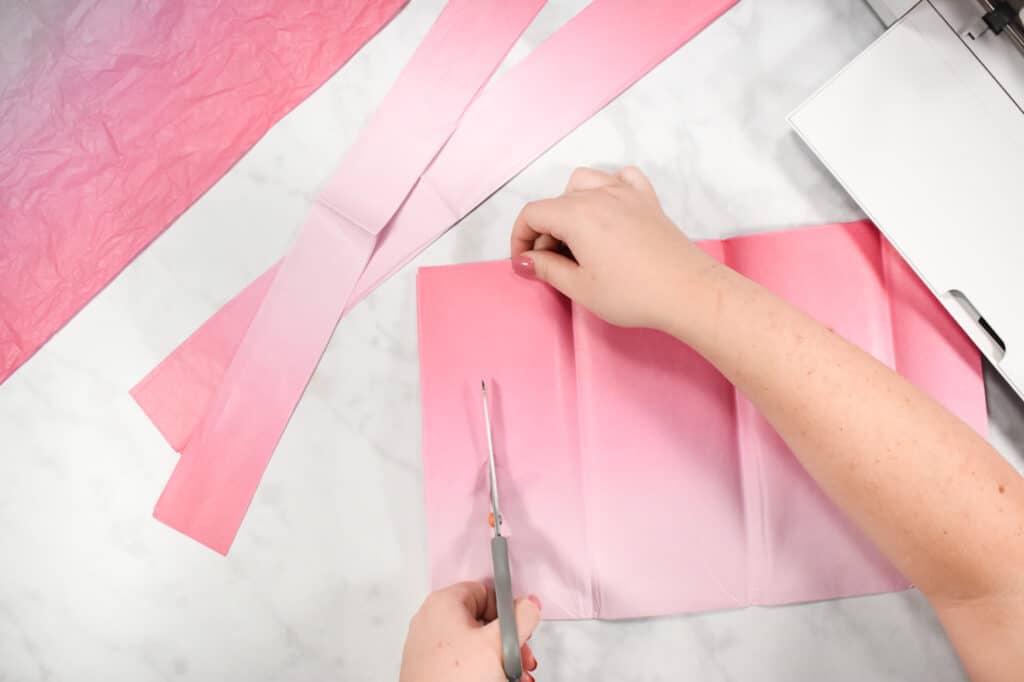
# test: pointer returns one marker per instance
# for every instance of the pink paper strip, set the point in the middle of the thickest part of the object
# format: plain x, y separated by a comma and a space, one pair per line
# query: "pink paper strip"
594, 57
214, 481
120, 123
635, 480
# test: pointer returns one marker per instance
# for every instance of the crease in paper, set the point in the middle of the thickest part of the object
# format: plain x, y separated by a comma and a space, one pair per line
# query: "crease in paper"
692, 502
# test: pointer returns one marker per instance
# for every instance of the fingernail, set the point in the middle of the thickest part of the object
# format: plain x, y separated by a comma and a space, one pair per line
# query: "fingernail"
535, 600
523, 266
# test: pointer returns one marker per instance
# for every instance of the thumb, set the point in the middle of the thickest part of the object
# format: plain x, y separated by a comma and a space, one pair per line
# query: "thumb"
557, 270
527, 619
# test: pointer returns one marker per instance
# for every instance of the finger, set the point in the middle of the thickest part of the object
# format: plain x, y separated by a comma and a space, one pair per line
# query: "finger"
470, 595
491, 610
527, 619
635, 178
546, 242
529, 660
589, 178
557, 270
554, 217
527, 677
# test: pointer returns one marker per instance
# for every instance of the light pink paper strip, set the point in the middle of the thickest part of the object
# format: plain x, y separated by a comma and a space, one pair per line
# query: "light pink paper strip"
126, 113
214, 481
594, 57
635, 480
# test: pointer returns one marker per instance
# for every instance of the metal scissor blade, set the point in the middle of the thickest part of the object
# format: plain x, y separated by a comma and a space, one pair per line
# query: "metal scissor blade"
510, 656
495, 509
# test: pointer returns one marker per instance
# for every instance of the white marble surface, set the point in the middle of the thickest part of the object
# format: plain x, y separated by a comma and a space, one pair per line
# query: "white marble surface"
330, 561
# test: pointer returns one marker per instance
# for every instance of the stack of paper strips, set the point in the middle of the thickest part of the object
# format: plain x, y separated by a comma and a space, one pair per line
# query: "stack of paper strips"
432, 152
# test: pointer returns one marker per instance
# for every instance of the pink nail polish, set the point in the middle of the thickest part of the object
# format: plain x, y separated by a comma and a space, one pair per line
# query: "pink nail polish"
523, 266
535, 600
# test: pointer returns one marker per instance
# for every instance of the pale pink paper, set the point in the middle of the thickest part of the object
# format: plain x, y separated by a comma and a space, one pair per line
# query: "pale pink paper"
635, 481
526, 111
594, 57
214, 481
126, 112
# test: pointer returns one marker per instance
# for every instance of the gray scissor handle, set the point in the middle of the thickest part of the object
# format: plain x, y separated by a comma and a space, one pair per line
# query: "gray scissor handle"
510, 657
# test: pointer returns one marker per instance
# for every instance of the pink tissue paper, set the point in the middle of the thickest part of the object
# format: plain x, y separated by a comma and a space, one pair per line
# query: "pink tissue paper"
220, 468
634, 479
224, 396
125, 113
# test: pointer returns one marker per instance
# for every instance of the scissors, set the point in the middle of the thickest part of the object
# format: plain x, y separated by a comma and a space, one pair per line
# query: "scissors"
511, 660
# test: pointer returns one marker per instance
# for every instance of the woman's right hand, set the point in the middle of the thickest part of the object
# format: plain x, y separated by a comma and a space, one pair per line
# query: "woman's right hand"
629, 263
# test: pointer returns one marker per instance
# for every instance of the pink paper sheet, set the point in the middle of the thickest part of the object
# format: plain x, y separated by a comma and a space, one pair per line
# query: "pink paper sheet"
127, 114
531, 107
635, 481
214, 481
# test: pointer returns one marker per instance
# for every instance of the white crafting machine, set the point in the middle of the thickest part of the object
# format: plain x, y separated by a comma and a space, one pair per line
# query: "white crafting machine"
925, 130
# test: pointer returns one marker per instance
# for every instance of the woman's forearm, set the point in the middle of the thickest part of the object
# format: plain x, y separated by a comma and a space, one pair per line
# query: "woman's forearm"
931, 493
914, 477
928, 490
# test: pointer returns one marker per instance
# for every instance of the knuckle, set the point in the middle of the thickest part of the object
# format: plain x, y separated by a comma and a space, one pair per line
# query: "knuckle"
527, 209
578, 175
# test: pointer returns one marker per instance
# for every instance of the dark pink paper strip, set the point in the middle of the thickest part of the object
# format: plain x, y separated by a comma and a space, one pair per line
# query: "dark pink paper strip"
127, 115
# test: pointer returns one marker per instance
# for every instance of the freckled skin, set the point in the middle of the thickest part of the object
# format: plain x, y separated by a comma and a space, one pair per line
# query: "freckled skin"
931, 493
940, 503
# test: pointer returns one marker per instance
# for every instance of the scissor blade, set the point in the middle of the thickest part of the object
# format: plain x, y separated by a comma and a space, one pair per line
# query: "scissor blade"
490, 462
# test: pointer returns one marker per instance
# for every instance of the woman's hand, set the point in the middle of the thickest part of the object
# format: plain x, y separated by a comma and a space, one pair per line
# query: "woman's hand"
629, 263
454, 637
936, 498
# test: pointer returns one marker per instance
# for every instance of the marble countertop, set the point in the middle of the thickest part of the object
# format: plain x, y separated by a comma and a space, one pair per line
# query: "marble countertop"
331, 561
